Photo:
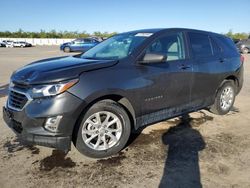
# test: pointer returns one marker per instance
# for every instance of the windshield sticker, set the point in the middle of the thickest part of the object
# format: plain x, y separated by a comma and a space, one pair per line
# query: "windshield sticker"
143, 34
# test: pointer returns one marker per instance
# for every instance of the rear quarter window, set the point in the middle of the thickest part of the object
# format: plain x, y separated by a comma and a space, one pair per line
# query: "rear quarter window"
227, 45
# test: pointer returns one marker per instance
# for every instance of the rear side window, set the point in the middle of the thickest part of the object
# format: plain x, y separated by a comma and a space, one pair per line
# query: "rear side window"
87, 40
201, 45
216, 48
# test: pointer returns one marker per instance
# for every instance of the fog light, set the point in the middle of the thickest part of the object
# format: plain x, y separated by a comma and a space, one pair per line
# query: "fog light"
52, 123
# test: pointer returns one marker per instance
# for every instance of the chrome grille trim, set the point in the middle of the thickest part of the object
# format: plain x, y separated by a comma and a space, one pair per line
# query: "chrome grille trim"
9, 105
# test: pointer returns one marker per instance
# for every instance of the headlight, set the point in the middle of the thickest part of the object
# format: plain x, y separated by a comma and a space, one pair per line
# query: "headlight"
242, 46
51, 89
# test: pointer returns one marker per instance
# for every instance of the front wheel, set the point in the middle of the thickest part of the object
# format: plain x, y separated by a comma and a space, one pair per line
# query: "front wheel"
66, 49
224, 99
103, 131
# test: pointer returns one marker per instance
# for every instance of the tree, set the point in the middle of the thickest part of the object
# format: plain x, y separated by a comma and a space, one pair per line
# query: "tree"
237, 35
53, 34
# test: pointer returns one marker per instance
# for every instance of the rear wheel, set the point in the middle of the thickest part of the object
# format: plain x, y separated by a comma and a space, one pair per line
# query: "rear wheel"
103, 131
224, 99
66, 49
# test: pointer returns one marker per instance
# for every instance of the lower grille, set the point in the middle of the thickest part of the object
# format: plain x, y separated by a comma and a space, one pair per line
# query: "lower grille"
17, 100
17, 126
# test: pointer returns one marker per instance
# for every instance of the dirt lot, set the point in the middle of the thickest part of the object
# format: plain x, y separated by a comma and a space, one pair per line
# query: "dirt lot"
202, 151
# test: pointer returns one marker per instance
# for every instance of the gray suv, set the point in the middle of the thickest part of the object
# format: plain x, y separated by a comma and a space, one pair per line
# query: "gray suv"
244, 46
99, 98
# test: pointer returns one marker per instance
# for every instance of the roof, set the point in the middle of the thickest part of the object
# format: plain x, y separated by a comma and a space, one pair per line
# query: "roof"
155, 30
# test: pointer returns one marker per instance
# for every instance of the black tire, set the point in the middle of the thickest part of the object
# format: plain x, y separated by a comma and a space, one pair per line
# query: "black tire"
245, 50
216, 108
67, 49
106, 106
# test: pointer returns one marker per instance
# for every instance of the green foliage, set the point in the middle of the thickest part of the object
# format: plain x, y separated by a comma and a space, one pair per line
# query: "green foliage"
75, 34
53, 34
237, 35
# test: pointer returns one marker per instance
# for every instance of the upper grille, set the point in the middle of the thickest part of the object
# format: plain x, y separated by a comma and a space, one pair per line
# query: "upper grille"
21, 86
17, 100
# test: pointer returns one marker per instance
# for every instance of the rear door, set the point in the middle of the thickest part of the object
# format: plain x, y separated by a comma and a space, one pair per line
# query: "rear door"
207, 68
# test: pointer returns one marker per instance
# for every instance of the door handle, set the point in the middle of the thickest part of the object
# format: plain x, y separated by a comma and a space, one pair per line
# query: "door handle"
184, 67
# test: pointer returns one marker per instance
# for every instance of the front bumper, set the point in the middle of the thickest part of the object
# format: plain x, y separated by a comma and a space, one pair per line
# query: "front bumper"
29, 123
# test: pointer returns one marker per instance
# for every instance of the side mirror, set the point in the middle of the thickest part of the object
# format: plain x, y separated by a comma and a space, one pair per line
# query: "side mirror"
153, 58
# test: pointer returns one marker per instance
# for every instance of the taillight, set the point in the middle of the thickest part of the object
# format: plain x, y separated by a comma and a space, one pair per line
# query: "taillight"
242, 59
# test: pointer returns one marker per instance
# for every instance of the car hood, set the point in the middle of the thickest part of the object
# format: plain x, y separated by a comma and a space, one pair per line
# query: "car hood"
57, 69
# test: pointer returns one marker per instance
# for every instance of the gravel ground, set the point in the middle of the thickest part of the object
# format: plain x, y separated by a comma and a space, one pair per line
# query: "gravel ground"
203, 150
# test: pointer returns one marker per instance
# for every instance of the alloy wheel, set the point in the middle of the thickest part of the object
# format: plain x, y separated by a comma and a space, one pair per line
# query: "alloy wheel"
102, 130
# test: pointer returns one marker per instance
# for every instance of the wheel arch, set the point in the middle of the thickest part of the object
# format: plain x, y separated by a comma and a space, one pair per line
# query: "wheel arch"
234, 79
214, 107
123, 101
228, 78
67, 46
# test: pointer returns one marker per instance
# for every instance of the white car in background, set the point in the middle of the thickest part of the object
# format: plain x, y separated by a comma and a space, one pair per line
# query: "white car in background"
21, 44
18, 44
2, 44
8, 43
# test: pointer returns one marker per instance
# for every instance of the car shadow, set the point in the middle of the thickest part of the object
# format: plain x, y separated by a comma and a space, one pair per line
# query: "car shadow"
182, 162
4, 90
57, 159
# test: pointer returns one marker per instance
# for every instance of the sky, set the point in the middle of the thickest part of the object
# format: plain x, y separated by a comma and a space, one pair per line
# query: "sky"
124, 15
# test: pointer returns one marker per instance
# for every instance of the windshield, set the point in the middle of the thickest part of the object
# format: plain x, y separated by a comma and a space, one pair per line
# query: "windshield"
116, 47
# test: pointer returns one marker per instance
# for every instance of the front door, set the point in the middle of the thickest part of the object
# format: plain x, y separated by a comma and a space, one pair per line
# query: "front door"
170, 88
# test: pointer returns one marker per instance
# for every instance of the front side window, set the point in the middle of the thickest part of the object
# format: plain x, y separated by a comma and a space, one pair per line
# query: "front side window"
76, 42
171, 46
116, 47
201, 45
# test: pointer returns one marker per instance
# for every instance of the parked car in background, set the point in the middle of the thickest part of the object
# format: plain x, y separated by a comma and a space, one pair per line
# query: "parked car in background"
133, 79
21, 44
244, 46
79, 45
2, 44
100, 39
26, 44
236, 41
8, 43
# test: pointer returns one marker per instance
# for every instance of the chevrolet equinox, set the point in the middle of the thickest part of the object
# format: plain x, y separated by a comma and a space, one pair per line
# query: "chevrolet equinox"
133, 79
